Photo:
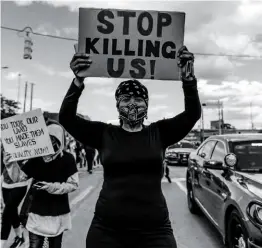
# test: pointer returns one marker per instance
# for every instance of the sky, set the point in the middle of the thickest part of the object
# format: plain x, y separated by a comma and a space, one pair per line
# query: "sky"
210, 27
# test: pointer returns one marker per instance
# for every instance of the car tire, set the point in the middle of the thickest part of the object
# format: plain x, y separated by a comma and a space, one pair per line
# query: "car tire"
191, 203
237, 235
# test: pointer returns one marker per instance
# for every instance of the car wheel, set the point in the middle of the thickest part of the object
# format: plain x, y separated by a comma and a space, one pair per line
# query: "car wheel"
191, 203
236, 232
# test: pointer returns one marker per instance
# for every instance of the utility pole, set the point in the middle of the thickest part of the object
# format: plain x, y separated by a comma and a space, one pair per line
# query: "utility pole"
25, 96
203, 126
219, 118
32, 92
251, 115
222, 117
18, 87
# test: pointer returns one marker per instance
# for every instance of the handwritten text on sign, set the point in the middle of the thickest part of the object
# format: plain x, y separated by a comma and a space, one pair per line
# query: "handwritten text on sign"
136, 44
26, 136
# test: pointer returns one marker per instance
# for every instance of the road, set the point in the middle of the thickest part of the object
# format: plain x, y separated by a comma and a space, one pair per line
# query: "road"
190, 231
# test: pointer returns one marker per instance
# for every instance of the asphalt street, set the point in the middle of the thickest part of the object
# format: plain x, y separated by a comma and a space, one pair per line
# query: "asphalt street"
190, 231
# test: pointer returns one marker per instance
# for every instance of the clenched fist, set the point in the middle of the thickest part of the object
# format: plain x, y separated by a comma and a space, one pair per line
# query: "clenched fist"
186, 63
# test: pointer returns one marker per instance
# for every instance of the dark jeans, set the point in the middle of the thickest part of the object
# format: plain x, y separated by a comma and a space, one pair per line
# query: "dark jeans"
90, 155
104, 237
12, 198
37, 241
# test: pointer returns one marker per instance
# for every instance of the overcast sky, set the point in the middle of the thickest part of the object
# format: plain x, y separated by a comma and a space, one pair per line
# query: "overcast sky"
211, 27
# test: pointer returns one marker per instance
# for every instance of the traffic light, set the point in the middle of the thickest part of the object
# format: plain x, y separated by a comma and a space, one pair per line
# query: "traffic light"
28, 47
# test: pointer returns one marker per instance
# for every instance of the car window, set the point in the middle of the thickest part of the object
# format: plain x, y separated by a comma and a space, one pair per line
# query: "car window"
249, 154
219, 152
207, 148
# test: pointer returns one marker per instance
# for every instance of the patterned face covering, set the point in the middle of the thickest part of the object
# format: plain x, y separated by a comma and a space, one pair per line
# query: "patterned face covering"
133, 97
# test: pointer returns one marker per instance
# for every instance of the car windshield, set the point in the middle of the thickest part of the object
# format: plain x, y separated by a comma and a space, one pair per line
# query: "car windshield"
186, 145
249, 154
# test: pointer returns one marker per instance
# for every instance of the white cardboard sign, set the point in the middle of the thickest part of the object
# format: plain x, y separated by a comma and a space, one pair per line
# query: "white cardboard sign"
26, 136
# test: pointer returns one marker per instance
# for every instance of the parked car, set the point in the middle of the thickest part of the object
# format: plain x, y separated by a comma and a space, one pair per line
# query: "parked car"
224, 181
178, 153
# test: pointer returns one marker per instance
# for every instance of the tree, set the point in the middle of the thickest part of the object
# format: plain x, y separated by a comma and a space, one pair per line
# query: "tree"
8, 107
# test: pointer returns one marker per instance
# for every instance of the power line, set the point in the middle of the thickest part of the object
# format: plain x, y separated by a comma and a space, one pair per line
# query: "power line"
201, 54
46, 35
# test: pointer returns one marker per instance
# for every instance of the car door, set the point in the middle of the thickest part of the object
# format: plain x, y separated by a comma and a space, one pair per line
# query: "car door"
215, 192
201, 179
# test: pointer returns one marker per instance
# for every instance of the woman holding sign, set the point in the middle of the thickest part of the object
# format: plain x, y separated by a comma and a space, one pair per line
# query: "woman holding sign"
54, 177
131, 210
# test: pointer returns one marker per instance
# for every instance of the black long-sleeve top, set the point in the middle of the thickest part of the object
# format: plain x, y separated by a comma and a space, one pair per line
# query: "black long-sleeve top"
131, 196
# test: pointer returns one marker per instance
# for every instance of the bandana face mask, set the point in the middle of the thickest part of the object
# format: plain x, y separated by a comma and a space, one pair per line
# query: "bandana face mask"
132, 109
132, 102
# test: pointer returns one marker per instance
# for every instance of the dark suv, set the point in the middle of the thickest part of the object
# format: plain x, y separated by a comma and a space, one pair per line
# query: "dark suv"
224, 181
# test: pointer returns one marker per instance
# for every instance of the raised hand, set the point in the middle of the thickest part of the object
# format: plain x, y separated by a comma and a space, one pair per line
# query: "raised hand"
6, 159
79, 64
186, 63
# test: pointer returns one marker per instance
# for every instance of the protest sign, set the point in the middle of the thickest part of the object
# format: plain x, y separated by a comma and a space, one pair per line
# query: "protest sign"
131, 43
26, 136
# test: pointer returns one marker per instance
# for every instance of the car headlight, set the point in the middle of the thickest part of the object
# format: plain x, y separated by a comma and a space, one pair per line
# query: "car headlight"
254, 213
258, 213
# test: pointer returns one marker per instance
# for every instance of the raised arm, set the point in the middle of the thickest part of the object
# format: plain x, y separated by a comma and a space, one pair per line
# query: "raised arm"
87, 132
174, 129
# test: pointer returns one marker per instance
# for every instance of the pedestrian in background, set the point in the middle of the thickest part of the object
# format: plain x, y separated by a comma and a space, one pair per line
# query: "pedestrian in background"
54, 177
131, 210
78, 152
167, 172
90, 155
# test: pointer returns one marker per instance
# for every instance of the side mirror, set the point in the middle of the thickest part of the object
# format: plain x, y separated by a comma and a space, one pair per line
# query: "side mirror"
214, 165
231, 160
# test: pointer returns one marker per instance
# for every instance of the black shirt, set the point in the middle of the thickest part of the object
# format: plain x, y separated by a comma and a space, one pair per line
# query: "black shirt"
131, 195
58, 170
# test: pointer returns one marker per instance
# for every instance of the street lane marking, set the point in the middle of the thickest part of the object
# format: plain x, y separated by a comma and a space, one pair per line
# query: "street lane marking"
81, 196
182, 187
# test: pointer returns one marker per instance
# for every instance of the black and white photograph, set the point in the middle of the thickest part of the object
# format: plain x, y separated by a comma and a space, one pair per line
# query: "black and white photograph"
131, 124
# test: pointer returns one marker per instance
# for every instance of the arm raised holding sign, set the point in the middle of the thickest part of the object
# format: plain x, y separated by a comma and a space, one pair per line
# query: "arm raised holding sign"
85, 131
174, 129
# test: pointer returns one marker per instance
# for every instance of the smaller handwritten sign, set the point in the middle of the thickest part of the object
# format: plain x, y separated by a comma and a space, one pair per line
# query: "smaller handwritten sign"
26, 136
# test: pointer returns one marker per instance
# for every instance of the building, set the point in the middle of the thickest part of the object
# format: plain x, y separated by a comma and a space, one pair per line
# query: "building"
215, 125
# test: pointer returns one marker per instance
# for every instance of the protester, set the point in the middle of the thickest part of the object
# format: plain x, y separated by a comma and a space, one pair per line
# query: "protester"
131, 210
55, 176
78, 152
90, 155
14, 188
167, 172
